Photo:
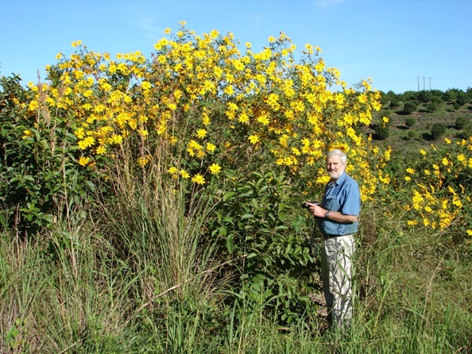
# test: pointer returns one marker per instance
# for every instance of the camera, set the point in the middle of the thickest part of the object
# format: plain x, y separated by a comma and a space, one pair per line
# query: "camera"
306, 206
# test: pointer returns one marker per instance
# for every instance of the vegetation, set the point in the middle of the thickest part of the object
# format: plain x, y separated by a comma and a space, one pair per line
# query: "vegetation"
154, 206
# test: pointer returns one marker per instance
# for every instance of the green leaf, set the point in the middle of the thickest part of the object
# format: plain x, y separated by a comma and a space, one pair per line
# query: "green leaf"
228, 196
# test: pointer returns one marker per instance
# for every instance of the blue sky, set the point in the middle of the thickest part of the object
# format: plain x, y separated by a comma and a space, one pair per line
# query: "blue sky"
397, 43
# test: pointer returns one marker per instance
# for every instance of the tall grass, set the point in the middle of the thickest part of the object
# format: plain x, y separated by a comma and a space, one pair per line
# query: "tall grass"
137, 276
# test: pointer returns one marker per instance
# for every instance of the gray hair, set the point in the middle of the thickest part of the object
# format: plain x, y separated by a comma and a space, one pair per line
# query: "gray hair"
338, 152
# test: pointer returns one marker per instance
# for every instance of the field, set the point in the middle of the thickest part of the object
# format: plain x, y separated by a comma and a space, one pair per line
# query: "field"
154, 205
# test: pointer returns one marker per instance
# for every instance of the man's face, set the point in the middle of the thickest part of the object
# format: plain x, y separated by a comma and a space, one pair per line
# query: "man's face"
334, 166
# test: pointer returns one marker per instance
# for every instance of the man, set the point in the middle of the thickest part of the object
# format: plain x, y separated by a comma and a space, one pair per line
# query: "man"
337, 218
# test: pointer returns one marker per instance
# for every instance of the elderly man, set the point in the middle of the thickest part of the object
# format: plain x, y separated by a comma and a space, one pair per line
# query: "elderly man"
337, 218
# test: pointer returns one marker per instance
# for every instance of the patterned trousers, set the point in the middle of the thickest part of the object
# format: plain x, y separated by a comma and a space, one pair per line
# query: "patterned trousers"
336, 266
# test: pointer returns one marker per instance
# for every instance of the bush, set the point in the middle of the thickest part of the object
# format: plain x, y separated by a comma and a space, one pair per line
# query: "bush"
461, 122
409, 107
394, 102
461, 100
438, 130
425, 96
412, 135
431, 107
409, 122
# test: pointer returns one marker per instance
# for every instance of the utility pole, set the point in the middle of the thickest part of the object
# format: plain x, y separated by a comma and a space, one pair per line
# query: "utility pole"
423, 84
430, 83
418, 84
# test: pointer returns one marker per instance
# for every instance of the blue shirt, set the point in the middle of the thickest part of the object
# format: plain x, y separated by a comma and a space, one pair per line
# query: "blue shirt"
342, 195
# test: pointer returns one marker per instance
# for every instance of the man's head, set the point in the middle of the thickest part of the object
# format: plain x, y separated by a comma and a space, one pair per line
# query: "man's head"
336, 162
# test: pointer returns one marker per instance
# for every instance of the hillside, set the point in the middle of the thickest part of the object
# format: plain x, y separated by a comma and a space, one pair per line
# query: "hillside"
412, 131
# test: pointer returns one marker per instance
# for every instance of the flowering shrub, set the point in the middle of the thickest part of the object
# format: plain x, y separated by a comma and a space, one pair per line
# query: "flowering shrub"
249, 126
439, 184
212, 108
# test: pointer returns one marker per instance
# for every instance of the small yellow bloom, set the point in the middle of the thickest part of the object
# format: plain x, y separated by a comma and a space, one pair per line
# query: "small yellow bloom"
198, 179
253, 139
210, 147
201, 133
173, 170
215, 169
184, 174
83, 161
27, 133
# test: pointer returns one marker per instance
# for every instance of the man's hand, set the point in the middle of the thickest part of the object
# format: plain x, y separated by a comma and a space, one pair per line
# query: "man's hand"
320, 212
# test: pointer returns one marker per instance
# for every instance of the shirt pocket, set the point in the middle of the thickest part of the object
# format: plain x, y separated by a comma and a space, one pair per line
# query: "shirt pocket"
332, 203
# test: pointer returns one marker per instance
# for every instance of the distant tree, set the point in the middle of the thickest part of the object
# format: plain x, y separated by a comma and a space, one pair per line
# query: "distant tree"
425, 96
450, 95
466, 132
438, 130
409, 96
409, 107
431, 107
394, 102
461, 122
437, 93
409, 122
382, 129
461, 99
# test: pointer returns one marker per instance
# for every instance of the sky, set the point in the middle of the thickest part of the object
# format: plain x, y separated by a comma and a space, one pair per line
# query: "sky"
401, 45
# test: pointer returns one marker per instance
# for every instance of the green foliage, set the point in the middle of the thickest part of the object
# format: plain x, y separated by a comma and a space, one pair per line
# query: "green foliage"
39, 173
409, 107
257, 227
462, 122
431, 107
412, 135
382, 130
409, 96
462, 99
438, 130
410, 122
394, 102
425, 96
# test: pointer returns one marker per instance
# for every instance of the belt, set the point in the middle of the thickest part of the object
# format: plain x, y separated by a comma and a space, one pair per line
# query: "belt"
333, 236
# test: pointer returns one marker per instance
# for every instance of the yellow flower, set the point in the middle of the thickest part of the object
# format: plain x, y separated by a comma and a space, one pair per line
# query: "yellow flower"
143, 161
87, 142
210, 147
27, 133
215, 169
410, 170
173, 170
184, 174
201, 133
198, 179
83, 161
469, 232
253, 139
101, 150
